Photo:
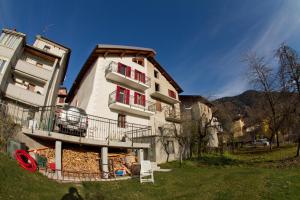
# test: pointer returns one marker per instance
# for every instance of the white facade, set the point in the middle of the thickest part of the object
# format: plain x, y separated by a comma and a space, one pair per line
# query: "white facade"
97, 90
31, 75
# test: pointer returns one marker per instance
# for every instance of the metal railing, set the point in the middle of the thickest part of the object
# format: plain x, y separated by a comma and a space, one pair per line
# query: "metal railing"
94, 127
172, 114
113, 67
146, 105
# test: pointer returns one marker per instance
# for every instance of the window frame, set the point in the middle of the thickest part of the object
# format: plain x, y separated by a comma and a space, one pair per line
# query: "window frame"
139, 60
4, 65
158, 86
46, 48
121, 120
156, 74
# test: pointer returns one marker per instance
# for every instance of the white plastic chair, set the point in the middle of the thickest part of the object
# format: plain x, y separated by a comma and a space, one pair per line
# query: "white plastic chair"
146, 173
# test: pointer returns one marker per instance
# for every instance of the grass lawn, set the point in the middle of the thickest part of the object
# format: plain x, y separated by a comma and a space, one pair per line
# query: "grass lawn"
246, 175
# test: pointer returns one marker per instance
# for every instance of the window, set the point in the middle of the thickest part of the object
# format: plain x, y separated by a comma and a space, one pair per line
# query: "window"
158, 106
123, 69
172, 94
2, 65
61, 100
31, 87
171, 147
140, 76
8, 40
122, 95
39, 64
46, 48
139, 61
121, 121
139, 99
155, 74
157, 89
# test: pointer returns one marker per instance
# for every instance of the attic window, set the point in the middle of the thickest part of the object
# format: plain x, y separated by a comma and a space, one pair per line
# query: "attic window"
46, 48
139, 61
155, 74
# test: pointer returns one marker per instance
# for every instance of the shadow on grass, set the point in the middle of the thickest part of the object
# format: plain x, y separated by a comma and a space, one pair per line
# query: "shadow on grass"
73, 194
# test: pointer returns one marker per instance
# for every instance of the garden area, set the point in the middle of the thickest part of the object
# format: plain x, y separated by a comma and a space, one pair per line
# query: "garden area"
248, 174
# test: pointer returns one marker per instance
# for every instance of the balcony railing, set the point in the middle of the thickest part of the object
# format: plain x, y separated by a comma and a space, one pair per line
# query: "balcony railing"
172, 115
131, 102
33, 70
127, 72
21, 94
97, 128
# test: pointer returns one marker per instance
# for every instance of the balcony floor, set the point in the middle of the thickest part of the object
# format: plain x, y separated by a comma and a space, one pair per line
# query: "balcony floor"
120, 78
165, 98
131, 109
85, 141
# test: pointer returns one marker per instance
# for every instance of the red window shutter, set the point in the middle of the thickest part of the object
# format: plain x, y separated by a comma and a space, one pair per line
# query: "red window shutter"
128, 71
135, 98
143, 77
119, 67
169, 91
127, 96
118, 94
136, 74
143, 100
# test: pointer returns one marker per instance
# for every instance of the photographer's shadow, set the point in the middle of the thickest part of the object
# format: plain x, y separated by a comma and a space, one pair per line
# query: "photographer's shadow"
72, 195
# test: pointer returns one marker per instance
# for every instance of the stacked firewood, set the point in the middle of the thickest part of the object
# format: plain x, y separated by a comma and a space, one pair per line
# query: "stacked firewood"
81, 161
49, 153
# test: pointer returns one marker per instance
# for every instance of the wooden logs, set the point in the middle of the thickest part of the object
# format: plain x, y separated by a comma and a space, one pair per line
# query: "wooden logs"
81, 160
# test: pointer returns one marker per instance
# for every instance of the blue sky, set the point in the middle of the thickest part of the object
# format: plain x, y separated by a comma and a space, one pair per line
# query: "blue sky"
200, 43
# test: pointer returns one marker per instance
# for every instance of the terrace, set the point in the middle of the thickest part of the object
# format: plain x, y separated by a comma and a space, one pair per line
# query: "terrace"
43, 122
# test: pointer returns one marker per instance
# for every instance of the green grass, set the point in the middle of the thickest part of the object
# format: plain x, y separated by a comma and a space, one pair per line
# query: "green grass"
246, 175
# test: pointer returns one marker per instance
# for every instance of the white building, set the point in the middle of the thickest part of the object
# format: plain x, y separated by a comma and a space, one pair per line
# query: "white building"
127, 84
30, 75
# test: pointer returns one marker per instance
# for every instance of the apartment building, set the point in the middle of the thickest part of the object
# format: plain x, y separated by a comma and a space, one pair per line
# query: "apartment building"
30, 75
197, 108
127, 84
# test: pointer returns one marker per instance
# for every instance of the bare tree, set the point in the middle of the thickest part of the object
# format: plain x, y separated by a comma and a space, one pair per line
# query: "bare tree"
264, 79
289, 74
165, 134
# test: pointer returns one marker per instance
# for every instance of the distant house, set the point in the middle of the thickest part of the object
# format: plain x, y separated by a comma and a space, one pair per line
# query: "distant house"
238, 128
197, 108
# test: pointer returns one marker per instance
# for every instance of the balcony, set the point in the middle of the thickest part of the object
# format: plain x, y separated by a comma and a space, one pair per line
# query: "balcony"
129, 106
172, 115
43, 122
113, 73
25, 96
163, 97
27, 68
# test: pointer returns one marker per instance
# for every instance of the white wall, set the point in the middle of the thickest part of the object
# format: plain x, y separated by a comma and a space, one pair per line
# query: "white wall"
54, 49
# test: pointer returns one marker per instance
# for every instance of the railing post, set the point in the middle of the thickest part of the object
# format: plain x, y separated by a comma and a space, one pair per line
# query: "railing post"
132, 135
50, 121
108, 134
